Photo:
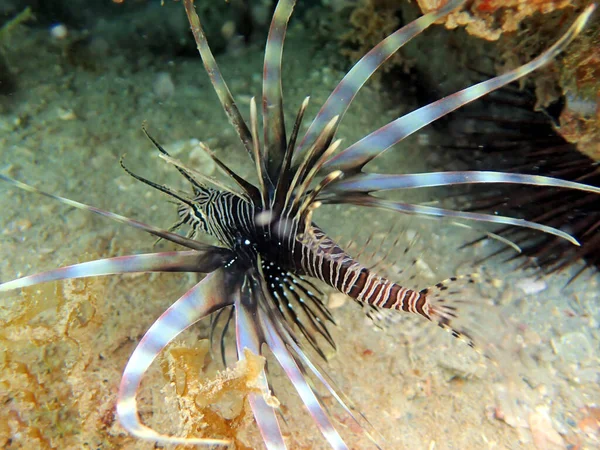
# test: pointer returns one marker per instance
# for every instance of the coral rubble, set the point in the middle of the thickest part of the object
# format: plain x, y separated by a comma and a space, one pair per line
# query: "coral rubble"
580, 82
488, 19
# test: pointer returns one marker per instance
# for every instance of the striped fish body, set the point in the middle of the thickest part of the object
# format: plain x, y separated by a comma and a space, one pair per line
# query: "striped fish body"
323, 259
287, 250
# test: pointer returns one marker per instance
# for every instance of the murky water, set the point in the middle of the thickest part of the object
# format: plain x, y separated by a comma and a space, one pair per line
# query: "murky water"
65, 129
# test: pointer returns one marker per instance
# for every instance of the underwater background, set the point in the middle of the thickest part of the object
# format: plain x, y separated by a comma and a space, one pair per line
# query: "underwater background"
78, 79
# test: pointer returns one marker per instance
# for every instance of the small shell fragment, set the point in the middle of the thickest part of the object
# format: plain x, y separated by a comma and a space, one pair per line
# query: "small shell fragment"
336, 300
545, 437
66, 114
59, 31
532, 286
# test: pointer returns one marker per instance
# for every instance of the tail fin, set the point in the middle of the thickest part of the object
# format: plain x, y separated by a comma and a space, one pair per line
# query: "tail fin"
464, 307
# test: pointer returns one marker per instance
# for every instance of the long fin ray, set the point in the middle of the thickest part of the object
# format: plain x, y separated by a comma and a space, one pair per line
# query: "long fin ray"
203, 299
249, 189
284, 299
259, 162
342, 96
274, 123
372, 182
206, 178
289, 364
356, 156
286, 175
158, 187
250, 337
324, 378
187, 261
166, 235
277, 335
407, 208
309, 160
161, 149
216, 78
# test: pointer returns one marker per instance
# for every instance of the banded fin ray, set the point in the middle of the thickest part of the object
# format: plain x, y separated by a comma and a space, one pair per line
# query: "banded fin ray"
181, 170
286, 174
274, 121
285, 346
299, 303
166, 235
221, 321
200, 301
186, 261
431, 211
344, 402
291, 367
344, 93
357, 155
249, 189
371, 182
293, 309
217, 80
250, 337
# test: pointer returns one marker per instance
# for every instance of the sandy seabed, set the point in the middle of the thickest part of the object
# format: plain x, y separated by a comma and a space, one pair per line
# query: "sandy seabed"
64, 345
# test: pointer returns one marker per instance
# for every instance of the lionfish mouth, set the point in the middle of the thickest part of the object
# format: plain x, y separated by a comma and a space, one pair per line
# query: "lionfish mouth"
293, 180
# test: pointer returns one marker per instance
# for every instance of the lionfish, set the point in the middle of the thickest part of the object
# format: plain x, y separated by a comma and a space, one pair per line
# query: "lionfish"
271, 252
